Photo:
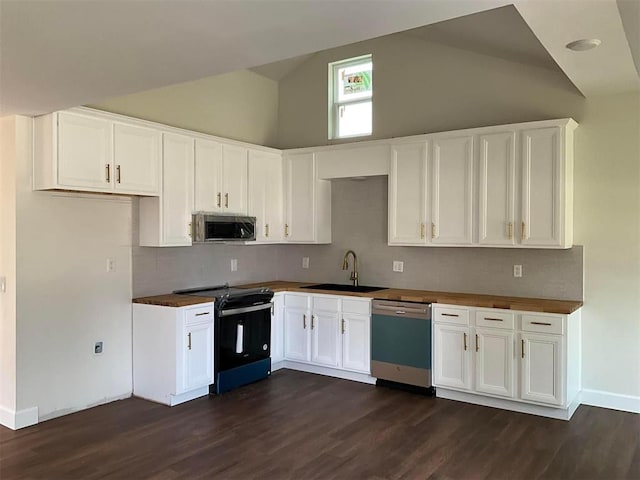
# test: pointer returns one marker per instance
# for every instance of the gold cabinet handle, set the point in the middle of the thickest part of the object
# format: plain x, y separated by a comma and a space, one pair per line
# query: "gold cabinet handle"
189, 344
422, 229
226, 200
304, 321
493, 319
522, 347
201, 314
343, 326
477, 347
286, 230
541, 323
219, 199
266, 230
108, 167
465, 342
510, 230
118, 173
190, 230
312, 319
524, 231
450, 315
433, 230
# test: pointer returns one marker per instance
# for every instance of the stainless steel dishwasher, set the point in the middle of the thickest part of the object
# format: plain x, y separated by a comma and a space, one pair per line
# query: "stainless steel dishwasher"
401, 344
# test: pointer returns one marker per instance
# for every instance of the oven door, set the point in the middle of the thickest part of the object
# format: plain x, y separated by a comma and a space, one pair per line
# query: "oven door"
244, 335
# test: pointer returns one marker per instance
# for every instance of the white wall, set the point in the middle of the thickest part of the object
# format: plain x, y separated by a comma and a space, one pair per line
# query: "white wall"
240, 105
607, 223
65, 298
8, 271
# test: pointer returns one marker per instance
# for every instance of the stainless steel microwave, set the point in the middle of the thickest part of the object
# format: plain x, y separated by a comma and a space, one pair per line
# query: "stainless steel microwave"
211, 227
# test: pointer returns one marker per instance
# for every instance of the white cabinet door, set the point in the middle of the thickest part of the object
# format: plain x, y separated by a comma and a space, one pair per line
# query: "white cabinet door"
277, 329
325, 338
495, 362
452, 191
198, 355
407, 194
541, 368
452, 362
296, 334
542, 187
208, 176
85, 153
234, 169
265, 199
299, 197
497, 183
356, 342
137, 159
177, 189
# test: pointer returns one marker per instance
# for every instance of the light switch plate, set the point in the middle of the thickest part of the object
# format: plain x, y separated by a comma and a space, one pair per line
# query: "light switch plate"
398, 266
517, 271
111, 265
305, 262
234, 264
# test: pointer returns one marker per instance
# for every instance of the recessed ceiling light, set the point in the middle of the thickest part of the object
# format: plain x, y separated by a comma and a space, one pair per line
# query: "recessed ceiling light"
583, 44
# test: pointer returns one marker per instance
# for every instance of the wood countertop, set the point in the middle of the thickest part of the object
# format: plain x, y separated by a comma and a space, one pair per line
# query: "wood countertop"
424, 296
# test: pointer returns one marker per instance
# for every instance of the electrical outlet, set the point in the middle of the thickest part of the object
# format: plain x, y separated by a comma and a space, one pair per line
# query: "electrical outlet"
398, 266
517, 271
111, 265
234, 264
97, 348
305, 262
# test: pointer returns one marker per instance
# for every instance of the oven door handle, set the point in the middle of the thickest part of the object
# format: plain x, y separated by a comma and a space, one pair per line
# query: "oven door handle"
236, 311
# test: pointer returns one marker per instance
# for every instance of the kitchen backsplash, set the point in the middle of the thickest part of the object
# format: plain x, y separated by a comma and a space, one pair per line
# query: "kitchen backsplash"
359, 211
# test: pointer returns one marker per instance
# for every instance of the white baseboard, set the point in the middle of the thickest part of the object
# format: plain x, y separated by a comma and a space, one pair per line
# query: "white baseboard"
330, 372
16, 419
614, 401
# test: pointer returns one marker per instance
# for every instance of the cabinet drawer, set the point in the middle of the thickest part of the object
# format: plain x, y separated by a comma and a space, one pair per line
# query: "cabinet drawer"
543, 324
495, 319
362, 307
458, 316
199, 314
296, 301
331, 304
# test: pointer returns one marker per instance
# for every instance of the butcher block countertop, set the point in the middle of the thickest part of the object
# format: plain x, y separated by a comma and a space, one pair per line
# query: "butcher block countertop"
424, 296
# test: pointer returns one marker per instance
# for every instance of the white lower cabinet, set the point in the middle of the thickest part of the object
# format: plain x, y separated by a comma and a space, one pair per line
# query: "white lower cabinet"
526, 361
327, 331
173, 358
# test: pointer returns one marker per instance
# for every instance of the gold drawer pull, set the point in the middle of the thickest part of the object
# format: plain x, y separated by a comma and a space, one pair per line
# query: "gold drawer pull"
450, 315
226, 200
433, 230
108, 173
510, 230
189, 345
190, 230
465, 341
524, 231
118, 173
200, 314
541, 323
522, 345
312, 321
304, 321
477, 347
219, 199
286, 230
422, 229
493, 319
266, 230
343, 326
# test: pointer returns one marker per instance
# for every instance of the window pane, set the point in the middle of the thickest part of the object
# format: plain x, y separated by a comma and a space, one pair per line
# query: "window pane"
355, 82
354, 119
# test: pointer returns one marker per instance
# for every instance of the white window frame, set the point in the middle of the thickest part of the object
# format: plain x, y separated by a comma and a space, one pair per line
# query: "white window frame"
335, 104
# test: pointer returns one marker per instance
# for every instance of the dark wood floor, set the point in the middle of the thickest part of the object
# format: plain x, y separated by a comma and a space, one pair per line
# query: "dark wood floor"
299, 425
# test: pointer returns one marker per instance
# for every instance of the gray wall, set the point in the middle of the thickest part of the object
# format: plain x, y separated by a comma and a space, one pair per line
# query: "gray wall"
421, 87
359, 222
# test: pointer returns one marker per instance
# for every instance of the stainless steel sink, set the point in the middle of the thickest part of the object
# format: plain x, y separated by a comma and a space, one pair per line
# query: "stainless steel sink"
343, 288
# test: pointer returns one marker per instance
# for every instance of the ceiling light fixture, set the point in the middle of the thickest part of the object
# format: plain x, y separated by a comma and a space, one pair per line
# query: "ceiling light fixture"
583, 44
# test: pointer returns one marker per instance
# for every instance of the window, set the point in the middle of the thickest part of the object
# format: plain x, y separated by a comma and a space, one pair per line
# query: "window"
350, 92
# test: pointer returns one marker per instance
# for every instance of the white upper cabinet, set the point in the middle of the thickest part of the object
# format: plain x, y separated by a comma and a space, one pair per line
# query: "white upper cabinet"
86, 151
543, 187
136, 159
307, 201
452, 191
166, 221
265, 196
407, 194
220, 177
496, 189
